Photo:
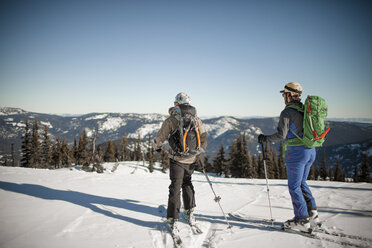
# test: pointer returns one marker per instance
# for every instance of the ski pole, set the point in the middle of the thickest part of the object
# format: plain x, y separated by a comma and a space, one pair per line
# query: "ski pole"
267, 182
216, 198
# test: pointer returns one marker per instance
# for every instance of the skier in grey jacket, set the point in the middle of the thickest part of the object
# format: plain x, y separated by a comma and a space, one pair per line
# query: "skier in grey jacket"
181, 167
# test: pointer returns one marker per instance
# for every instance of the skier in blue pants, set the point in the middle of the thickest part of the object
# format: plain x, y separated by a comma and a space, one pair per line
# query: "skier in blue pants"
298, 161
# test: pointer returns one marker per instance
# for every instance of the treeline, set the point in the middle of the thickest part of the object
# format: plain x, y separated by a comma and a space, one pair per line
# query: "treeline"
42, 152
39, 151
239, 163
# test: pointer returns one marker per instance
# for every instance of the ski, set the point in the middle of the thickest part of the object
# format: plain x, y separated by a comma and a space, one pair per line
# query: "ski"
194, 226
277, 226
255, 220
196, 229
176, 238
340, 234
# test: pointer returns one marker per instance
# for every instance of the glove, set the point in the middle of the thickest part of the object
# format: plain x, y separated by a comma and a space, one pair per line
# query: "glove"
261, 138
157, 147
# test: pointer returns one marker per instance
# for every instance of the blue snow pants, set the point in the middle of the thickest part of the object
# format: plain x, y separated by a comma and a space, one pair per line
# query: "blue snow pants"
298, 162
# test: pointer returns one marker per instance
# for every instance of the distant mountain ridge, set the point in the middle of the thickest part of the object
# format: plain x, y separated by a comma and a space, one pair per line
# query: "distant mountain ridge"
224, 129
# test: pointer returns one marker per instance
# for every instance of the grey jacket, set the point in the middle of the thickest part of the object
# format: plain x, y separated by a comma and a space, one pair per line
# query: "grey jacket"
289, 118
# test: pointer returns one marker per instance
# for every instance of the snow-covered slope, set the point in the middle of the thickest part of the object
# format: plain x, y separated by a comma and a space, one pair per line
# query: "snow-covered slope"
119, 208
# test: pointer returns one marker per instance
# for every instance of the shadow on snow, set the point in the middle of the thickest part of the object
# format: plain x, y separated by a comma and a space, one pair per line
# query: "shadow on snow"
86, 200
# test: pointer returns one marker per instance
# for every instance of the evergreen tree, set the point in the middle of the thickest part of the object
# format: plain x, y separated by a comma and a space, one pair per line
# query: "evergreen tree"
5, 161
93, 149
83, 156
150, 154
356, 174
260, 167
254, 167
246, 159
323, 169
269, 160
57, 155
316, 173
138, 150
96, 156
365, 172
117, 154
275, 167
74, 152
26, 147
124, 148
338, 175
208, 166
66, 160
110, 152
100, 154
219, 162
46, 150
311, 175
236, 158
35, 158
12, 154
281, 163
330, 174
164, 160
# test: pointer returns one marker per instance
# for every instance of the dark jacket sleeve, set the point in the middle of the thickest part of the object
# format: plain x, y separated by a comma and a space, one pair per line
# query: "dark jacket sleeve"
168, 127
283, 127
289, 118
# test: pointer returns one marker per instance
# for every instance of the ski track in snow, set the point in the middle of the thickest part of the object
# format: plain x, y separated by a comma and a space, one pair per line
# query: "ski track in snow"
119, 208
75, 224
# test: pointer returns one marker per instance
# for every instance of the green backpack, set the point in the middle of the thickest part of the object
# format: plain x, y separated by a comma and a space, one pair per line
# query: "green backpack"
315, 110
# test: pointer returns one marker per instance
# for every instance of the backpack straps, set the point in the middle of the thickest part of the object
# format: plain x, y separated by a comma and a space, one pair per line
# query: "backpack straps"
195, 128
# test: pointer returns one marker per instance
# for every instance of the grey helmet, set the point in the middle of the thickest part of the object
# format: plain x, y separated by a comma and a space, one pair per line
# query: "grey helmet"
182, 98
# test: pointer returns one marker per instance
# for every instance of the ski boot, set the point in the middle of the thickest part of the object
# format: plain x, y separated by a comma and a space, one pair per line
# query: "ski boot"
173, 225
314, 219
296, 224
173, 228
189, 216
190, 219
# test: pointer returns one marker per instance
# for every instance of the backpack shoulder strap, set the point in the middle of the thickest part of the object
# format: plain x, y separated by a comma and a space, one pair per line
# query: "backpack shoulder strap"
296, 107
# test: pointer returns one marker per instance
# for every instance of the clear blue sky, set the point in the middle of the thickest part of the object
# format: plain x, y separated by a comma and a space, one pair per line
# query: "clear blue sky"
232, 57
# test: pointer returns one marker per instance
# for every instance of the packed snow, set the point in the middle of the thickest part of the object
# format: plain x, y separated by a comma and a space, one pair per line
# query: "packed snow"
120, 208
